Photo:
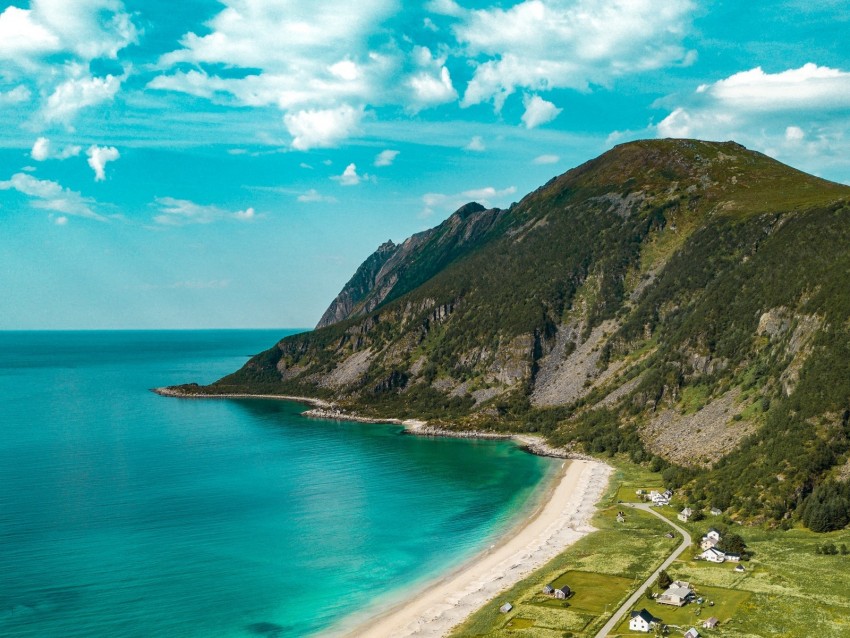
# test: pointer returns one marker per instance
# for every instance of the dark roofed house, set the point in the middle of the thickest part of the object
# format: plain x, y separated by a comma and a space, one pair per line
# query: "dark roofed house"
563, 592
548, 590
642, 621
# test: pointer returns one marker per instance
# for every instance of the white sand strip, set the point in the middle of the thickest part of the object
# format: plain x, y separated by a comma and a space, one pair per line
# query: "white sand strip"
561, 520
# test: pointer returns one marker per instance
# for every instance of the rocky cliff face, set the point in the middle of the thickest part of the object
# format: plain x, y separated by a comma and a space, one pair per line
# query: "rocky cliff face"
393, 270
683, 302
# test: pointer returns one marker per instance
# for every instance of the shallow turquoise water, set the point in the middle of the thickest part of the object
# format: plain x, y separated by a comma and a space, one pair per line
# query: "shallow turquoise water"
123, 513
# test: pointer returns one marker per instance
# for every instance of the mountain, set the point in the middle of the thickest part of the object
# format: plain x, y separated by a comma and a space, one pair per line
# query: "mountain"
680, 301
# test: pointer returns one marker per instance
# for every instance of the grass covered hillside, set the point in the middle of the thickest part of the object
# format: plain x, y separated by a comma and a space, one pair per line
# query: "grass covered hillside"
683, 302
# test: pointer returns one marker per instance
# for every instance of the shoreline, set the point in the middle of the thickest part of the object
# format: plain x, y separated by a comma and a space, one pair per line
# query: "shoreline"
322, 409
561, 519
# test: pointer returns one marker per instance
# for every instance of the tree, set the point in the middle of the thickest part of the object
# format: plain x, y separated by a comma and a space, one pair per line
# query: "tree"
664, 580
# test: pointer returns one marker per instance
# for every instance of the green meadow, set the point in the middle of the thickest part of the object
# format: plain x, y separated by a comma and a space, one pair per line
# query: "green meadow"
787, 590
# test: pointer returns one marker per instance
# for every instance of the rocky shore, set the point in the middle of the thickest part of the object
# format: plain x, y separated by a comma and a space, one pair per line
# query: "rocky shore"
532, 443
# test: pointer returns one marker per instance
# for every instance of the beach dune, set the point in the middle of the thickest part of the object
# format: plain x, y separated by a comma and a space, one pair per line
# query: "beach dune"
562, 518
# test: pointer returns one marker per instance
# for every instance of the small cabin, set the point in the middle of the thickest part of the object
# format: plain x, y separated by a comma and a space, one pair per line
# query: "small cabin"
691, 633
711, 623
506, 608
563, 592
548, 589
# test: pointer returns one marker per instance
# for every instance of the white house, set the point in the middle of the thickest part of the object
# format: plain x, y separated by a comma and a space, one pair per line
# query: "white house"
660, 498
642, 621
711, 623
506, 608
713, 555
685, 514
677, 594
710, 539
715, 511
691, 633
739, 568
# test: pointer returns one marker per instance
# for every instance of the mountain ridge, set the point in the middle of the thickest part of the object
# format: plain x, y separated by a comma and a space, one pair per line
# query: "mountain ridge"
679, 301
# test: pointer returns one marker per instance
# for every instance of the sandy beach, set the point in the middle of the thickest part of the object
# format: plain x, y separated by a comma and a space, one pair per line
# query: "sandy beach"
562, 519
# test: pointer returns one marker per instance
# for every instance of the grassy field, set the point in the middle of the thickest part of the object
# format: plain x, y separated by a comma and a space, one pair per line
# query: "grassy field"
786, 590
601, 569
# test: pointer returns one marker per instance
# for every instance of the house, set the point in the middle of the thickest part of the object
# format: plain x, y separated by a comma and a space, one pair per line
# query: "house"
733, 558
621, 517
715, 511
642, 621
685, 514
548, 590
660, 498
562, 592
711, 623
710, 539
506, 608
713, 555
739, 568
677, 594
691, 633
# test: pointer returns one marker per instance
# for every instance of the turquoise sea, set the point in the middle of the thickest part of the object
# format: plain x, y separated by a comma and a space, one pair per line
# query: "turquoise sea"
123, 513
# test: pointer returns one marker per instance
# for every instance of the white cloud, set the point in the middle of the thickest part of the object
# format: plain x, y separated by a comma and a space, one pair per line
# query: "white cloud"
313, 196
350, 176
78, 93
429, 90
15, 96
50, 47
61, 220
794, 134
546, 44
487, 196
98, 157
322, 128
21, 35
48, 195
476, 144
546, 159
42, 150
810, 86
323, 94
386, 158
181, 212
538, 111
445, 7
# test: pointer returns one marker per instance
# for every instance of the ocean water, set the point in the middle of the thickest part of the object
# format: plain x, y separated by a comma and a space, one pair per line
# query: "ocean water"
123, 513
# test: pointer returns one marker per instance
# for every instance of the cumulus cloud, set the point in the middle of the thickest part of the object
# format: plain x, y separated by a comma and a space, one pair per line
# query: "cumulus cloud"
429, 89
303, 74
98, 157
313, 196
51, 196
546, 44
538, 111
182, 212
322, 128
476, 144
49, 48
546, 159
487, 196
42, 150
78, 93
350, 176
386, 158
732, 104
15, 96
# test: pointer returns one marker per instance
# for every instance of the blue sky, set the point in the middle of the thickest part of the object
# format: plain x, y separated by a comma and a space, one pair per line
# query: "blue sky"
230, 163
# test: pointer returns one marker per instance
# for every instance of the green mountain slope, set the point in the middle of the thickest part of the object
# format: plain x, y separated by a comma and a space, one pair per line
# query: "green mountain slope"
684, 302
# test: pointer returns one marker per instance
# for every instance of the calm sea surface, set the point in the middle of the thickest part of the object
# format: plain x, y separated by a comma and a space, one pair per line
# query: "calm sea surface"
123, 513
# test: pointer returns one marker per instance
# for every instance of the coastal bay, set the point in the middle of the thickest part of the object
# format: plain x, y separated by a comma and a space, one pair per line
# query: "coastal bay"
133, 515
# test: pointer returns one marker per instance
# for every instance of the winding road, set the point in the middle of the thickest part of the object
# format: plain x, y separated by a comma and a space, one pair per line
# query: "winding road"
686, 542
